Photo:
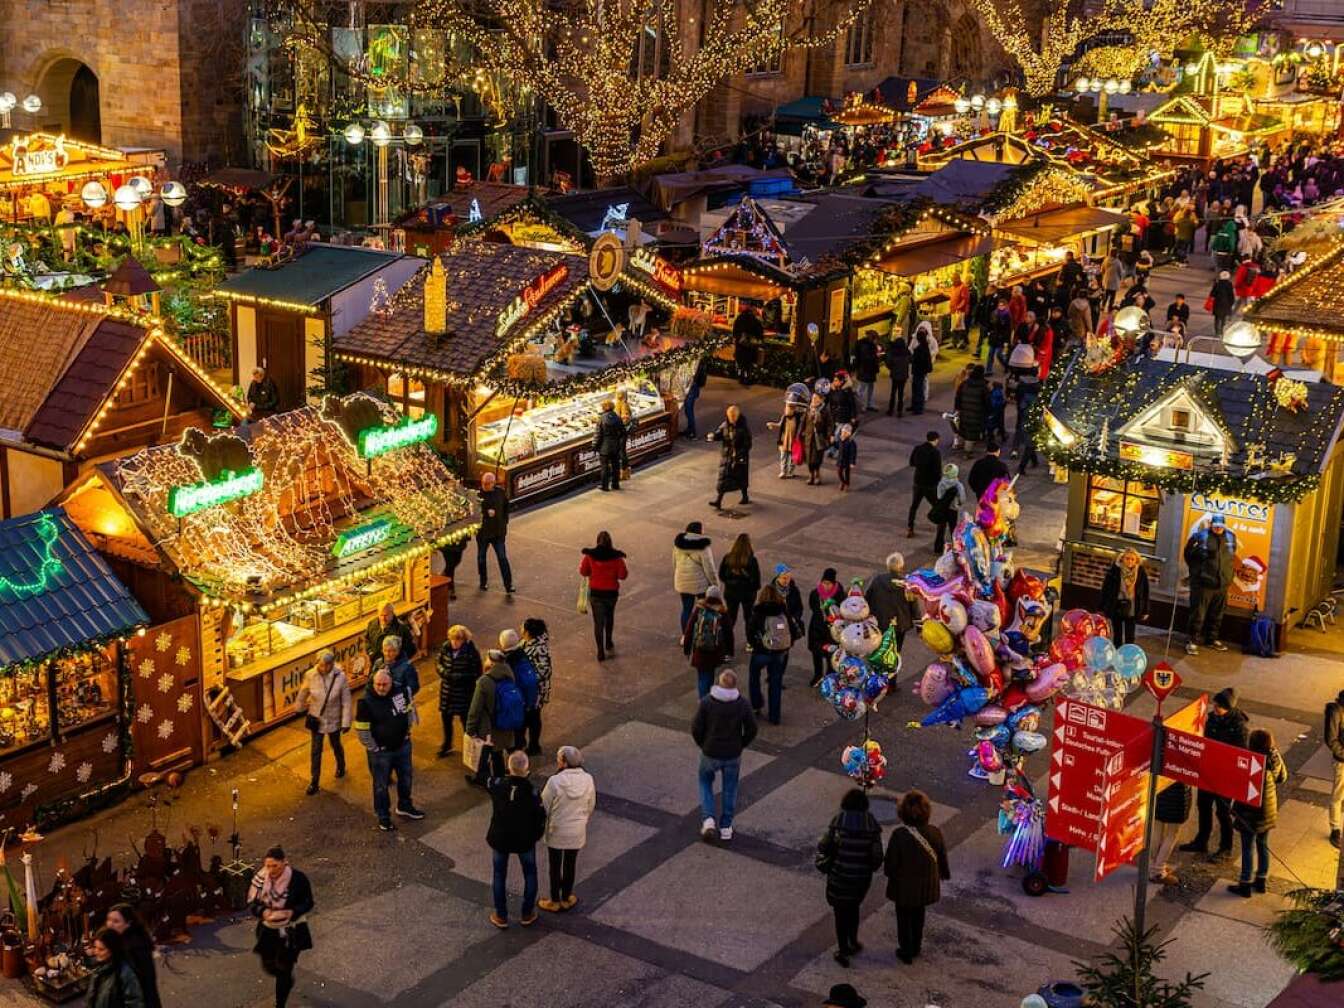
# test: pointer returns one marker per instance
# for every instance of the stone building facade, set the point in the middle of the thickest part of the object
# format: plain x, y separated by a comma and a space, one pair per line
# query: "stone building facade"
130, 73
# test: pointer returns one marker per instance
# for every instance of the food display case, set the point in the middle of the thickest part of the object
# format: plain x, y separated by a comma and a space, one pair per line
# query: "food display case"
82, 686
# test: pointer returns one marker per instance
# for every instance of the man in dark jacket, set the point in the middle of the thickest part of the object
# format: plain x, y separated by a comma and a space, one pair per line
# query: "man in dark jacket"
1211, 554
383, 724
972, 406
986, 470
734, 437
263, 396
889, 602
494, 530
517, 822
1227, 724
724, 725
608, 440
898, 366
748, 335
388, 624
927, 462
1334, 740
482, 716
843, 402
866, 363
1070, 277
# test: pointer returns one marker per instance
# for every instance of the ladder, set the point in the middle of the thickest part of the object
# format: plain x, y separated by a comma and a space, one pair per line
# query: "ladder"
227, 715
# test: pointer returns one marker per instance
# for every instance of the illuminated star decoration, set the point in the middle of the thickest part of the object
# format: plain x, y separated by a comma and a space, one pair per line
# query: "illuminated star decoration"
165, 728
56, 764
183, 656
146, 668
165, 682
109, 742
163, 641
184, 702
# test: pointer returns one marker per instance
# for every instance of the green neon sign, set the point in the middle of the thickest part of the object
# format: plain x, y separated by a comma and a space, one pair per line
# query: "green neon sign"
356, 540
49, 567
193, 497
375, 441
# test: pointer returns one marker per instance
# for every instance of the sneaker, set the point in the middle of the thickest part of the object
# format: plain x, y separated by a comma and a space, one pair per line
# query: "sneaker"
410, 813
386, 826
500, 922
716, 505
1218, 645
528, 921
570, 902
508, 590
550, 906
707, 828
1192, 648
312, 789
1194, 847
726, 833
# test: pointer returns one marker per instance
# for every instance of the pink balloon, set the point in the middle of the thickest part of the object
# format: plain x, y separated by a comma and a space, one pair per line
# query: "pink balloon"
990, 715
934, 687
1073, 621
1047, 682
979, 651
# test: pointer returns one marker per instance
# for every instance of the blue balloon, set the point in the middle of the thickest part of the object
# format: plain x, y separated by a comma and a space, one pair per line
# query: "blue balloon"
1098, 652
874, 686
1020, 715
1017, 642
999, 735
973, 698
1130, 661
829, 686
963, 674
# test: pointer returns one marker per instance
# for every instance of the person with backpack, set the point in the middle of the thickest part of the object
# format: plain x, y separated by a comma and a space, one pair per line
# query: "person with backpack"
707, 635
950, 498
1254, 822
383, 721
770, 636
723, 726
692, 568
497, 713
604, 567
569, 798
459, 668
525, 676
517, 822
537, 647
848, 854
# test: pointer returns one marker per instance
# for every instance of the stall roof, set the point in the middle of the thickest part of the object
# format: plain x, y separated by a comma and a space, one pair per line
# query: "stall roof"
962, 183
587, 210
483, 278
130, 279
811, 110
56, 592
311, 278
1276, 453
672, 188
913, 260
897, 93
52, 389
490, 197
1311, 300
42, 158
274, 544
1052, 227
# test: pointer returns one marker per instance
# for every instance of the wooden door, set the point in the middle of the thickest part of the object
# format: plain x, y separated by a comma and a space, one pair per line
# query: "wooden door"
166, 691
280, 351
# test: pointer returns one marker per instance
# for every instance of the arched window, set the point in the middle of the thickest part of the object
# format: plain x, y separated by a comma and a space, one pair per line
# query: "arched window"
967, 59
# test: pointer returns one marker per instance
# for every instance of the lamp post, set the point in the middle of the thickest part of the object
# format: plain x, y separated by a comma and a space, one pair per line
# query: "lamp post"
381, 136
1103, 88
32, 105
130, 199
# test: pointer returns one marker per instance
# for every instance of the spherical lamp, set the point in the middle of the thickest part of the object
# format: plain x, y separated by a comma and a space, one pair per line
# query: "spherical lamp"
7, 101
141, 185
380, 134
413, 135
977, 102
1112, 86
1315, 50
1131, 321
354, 134
1125, 87
94, 195
993, 106
126, 198
1241, 339
1081, 85
961, 105
173, 193
32, 104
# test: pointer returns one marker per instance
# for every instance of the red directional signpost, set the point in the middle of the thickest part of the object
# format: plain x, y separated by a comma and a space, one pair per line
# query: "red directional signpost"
1086, 741
1124, 804
1225, 770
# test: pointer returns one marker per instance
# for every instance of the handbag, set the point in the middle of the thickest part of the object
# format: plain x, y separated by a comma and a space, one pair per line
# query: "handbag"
314, 722
796, 451
1208, 304
581, 605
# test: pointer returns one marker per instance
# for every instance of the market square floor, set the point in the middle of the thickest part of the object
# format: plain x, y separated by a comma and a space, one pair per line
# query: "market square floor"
666, 920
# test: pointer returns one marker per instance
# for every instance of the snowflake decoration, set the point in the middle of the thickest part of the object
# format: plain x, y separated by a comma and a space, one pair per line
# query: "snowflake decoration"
145, 714
184, 702
165, 682
146, 668
5, 781
83, 772
183, 656
28, 791
165, 728
56, 764
109, 743
163, 641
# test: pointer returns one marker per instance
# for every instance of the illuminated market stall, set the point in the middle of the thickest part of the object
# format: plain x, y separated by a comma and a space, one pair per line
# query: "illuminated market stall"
65, 682
1206, 119
277, 542
1154, 447
510, 352
1301, 318
40, 171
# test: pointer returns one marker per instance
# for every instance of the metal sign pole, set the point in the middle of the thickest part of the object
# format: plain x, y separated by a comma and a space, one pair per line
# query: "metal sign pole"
1145, 855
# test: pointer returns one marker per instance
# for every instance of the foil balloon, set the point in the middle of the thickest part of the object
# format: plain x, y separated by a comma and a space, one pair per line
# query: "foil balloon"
886, 658
1049, 681
1013, 696
861, 638
953, 615
874, 688
962, 673
990, 715
852, 670
986, 616
829, 686
973, 698
936, 636
934, 686
1073, 622
976, 553
1028, 741
979, 652
1098, 652
849, 704
838, 657
854, 608
1130, 661
955, 708
1000, 735
988, 757
1026, 718
1068, 650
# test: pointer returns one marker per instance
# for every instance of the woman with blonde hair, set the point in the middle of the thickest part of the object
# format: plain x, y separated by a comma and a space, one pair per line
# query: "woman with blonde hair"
459, 668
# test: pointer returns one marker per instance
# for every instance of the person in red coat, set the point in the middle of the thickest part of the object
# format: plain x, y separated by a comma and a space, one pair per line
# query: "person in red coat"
604, 567
1243, 282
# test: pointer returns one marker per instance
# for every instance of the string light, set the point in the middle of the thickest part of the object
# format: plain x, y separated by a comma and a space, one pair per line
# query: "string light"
47, 568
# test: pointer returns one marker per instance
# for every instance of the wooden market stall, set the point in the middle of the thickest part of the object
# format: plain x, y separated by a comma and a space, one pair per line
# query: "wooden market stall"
277, 542
1302, 317
101, 380
1154, 447
40, 171
432, 228
510, 351
1204, 120
65, 679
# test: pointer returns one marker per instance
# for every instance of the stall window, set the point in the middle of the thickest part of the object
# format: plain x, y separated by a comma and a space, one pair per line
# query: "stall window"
86, 688
407, 394
1122, 507
25, 709
142, 386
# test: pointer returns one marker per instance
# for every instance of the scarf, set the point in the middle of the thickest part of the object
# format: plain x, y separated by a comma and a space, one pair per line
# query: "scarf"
272, 893
1129, 576
825, 594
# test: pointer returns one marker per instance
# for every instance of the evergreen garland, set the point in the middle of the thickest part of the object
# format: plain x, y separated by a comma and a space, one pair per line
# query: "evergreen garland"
1310, 935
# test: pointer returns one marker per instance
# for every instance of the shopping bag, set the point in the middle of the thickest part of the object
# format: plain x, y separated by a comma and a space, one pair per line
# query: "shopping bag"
582, 604
1208, 305
797, 451
471, 752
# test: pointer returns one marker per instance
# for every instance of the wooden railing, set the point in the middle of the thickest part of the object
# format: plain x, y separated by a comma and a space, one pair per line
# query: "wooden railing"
210, 350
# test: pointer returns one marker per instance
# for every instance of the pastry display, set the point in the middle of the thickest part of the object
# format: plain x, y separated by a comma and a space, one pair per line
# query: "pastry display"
555, 426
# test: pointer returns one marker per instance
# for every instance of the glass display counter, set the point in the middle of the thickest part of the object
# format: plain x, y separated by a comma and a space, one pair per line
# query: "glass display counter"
557, 426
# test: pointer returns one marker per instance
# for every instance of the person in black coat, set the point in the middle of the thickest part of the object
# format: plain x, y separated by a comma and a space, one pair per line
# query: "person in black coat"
921, 365
740, 576
263, 396
866, 363
849, 853
818, 629
986, 470
459, 668
1226, 723
1224, 298
972, 405
138, 947
915, 866
927, 462
1124, 595
517, 822
494, 531
843, 402
748, 335
280, 897
734, 437
898, 366
609, 442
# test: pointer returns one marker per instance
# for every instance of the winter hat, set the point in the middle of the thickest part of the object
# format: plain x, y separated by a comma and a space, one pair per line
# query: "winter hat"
1226, 698
508, 639
496, 657
694, 527
782, 568
845, 996
828, 574
1218, 521
714, 592
950, 471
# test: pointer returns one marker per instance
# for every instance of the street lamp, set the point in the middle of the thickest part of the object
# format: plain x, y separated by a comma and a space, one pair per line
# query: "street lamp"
32, 104
381, 136
1241, 339
94, 195
961, 105
1103, 88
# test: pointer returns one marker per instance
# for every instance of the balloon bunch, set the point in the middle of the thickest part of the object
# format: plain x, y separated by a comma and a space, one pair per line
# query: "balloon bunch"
1101, 673
865, 763
864, 660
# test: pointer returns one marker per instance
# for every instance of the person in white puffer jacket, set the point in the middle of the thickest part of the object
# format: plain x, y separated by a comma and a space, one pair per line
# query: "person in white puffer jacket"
569, 798
693, 569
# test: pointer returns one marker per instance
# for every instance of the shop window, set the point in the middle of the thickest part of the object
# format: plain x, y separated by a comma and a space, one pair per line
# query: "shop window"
86, 689
770, 62
859, 40
407, 394
1122, 507
141, 387
25, 707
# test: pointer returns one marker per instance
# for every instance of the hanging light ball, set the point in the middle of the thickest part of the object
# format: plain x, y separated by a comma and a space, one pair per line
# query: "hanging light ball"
1241, 339
993, 106
1131, 321
93, 194
413, 135
1126, 87
173, 193
977, 102
7, 101
32, 104
127, 198
141, 185
1081, 85
1315, 50
961, 105
1112, 86
354, 134
380, 134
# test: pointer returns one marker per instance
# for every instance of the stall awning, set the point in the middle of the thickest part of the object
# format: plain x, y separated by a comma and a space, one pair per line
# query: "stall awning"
309, 279
791, 117
41, 159
928, 256
1054, 227
731, 279
56, 592
1310, 302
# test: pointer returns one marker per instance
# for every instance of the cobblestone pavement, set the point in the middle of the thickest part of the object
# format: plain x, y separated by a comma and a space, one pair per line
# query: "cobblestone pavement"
666, 920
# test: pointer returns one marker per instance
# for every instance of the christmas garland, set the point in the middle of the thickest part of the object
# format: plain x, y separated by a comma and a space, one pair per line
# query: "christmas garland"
1310, 934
